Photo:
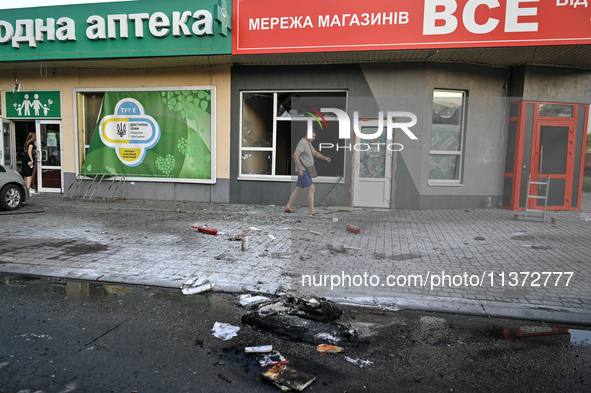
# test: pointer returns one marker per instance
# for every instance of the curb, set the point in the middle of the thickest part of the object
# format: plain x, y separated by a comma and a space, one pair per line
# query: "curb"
42, 268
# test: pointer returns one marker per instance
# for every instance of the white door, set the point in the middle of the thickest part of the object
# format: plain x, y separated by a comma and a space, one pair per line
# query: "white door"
49, 155
373, 169
6, 149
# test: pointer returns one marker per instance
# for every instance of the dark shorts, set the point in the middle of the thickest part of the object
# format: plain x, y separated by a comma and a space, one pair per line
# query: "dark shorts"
304, 181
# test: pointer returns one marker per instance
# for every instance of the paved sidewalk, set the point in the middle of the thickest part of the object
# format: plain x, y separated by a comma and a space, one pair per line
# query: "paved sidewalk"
468, 261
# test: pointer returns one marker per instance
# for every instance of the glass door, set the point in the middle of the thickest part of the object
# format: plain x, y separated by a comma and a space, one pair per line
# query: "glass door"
6, 154
49, 155
372, 170
552, 157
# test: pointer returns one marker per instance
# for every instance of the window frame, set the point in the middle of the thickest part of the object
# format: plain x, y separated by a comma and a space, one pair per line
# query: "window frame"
460, 170
273, 148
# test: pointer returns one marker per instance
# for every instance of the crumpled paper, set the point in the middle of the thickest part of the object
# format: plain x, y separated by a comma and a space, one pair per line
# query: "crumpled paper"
225, 331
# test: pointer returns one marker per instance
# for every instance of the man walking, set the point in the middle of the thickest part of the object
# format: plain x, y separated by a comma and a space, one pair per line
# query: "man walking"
304, 158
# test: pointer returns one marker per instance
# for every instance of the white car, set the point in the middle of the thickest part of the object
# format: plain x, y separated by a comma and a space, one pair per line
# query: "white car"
13, 189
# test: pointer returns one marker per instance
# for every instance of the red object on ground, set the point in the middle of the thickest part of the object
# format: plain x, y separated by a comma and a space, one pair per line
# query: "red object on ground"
515, 217
353, 228
553, 220
211, 231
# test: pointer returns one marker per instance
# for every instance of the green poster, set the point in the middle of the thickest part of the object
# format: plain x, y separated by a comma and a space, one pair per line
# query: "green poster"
153, 134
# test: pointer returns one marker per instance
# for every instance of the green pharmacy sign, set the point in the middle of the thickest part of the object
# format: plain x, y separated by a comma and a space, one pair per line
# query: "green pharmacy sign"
120, 29
164, 135
33, 105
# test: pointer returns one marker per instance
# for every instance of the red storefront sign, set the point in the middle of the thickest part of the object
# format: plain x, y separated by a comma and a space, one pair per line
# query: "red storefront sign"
271, 26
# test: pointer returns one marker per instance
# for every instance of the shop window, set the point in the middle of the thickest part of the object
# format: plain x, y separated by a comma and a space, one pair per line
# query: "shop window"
447, 137
272, 123
93, 103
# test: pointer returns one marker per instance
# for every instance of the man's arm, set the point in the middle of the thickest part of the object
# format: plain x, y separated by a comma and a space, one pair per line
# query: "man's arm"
318, 155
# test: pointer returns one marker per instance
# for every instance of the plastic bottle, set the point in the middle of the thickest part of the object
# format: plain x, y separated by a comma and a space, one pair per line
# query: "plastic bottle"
244, 241
336, 246
488, 203
211, 231
353, 228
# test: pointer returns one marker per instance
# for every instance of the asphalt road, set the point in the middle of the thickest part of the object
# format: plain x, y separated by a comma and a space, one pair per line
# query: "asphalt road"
66, 336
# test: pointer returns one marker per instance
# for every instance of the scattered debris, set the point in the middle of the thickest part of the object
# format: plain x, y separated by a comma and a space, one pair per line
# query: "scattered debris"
259, 349
244, 241
325, 348
225, 331
296, 328
300, 319
323, 337
272, 237
537, 246
353, 228
254, 300
225, 256
197, 289
336, 246
272, 309
255, 229
316, 233
479, 238
192, 282
272, 359
312, 302
196, 285
528, 331
335, 219
236, 237
205, 229
286, 378
359, 362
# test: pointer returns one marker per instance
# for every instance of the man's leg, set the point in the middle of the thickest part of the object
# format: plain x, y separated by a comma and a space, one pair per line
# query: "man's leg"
311, 190
293, 197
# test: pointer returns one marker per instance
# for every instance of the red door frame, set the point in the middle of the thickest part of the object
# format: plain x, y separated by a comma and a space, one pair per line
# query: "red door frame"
516, 174
535, 160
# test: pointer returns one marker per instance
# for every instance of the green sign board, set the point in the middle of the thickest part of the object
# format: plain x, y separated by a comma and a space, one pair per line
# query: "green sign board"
33, 105
154, 134
119, 29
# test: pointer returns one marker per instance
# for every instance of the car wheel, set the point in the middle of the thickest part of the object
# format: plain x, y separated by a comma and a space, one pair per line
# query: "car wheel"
10, 197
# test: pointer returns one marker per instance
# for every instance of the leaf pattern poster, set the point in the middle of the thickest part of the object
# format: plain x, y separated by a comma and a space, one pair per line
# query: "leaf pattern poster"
153, 134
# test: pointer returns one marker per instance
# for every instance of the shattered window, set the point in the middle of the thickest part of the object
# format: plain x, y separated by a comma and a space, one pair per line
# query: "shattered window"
447, 131
257, 120
272, 124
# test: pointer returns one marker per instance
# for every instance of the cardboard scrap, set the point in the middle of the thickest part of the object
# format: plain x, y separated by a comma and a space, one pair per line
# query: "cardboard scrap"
285, 378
